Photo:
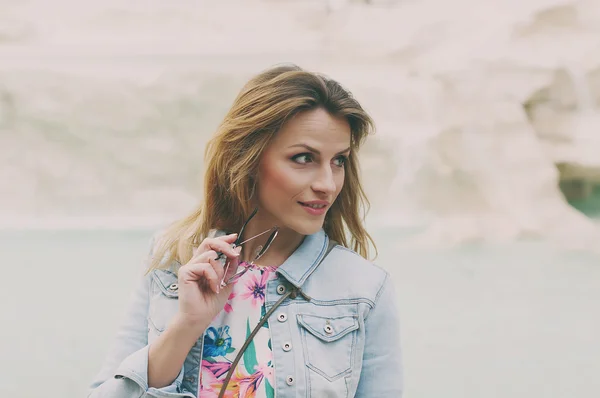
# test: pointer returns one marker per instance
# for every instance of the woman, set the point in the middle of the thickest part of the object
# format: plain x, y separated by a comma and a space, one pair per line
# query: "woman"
287, 306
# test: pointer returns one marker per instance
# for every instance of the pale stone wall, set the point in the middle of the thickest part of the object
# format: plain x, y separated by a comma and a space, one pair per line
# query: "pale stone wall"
105, 106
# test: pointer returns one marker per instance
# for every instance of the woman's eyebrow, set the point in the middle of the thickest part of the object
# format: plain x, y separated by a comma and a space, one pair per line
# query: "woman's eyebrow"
316, 150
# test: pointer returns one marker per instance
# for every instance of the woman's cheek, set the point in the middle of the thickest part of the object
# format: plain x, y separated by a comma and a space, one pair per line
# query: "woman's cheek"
275, 179
339, 183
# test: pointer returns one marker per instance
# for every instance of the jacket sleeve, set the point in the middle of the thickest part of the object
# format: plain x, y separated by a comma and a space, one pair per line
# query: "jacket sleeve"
382, 373
124, 373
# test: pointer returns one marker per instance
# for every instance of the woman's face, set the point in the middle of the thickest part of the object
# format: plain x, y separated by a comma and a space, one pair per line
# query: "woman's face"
301, 172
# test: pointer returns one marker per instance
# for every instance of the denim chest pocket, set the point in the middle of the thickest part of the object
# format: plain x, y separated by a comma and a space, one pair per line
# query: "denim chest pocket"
329, 343
164, 302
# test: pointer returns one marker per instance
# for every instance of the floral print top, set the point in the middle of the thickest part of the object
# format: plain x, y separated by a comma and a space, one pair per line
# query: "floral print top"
253, 376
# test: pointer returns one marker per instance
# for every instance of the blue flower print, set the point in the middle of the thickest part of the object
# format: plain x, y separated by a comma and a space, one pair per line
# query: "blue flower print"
217, 342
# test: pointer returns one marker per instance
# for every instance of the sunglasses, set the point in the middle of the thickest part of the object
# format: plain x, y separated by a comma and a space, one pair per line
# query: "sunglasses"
260, 251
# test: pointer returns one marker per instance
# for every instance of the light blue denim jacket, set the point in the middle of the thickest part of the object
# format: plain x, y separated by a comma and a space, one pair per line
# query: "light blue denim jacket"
357, 355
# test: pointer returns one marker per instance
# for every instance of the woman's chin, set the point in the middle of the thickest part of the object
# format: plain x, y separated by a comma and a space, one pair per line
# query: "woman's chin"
306, 228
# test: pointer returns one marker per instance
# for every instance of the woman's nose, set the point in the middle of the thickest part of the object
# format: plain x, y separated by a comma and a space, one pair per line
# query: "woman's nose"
325, 181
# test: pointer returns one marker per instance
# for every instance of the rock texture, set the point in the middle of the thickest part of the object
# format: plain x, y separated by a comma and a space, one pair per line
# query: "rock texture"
482, 106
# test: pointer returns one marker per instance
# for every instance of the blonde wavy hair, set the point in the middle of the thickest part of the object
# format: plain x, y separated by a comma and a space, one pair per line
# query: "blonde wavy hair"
232, 157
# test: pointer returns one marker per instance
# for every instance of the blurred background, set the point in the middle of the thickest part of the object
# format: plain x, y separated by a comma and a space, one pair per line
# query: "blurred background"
484, 173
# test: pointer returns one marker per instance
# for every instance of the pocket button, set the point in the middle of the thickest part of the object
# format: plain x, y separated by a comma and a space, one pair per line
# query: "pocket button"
174, 287
280, 289
328, 329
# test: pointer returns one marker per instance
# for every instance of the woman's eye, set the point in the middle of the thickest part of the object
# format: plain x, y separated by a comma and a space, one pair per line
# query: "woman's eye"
302, 158
340, 161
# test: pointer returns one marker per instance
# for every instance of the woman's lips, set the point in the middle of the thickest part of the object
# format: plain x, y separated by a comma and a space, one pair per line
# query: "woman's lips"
315, 211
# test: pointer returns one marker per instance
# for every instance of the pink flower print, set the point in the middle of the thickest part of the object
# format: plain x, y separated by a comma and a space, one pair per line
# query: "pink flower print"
228, 308
211, 373
255, 288
241, 384
246, 385
271, 270
266, 371
210, 385
216, 368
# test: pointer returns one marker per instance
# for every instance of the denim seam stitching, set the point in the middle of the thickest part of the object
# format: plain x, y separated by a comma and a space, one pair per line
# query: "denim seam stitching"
328, 303
346, 372
272, 356
346, 381
356, 254
342, 301
329, 339
306, 359
379, 293
161, 285
131, 375
381, 288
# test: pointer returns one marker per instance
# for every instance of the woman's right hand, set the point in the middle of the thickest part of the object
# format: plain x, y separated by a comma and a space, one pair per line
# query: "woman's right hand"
201, 297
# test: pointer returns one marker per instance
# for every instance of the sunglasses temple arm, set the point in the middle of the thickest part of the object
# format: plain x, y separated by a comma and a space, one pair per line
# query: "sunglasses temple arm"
267, 244
239, 238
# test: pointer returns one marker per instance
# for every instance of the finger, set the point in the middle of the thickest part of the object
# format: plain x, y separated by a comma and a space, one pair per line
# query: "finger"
219, 264
218, 245
228, 238
205, 257
233, 267
218, 268
203, 247
201, 273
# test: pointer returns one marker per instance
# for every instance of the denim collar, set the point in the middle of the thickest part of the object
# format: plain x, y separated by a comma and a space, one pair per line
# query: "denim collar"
301, 264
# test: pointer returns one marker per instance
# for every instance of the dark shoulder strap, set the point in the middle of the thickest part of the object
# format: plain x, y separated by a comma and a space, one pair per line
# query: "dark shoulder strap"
293, 293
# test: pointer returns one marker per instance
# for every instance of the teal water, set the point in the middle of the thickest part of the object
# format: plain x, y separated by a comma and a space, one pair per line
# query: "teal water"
517, 320
589, 206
